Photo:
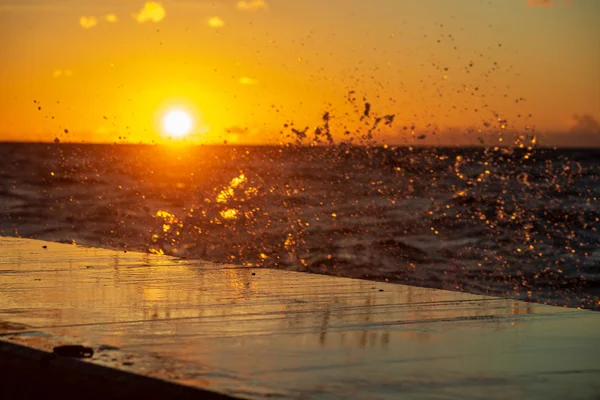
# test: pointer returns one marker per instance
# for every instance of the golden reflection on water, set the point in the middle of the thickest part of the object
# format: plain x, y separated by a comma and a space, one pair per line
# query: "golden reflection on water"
269, 326
172, 226
196, 314
230, 213
229, 192
180, 298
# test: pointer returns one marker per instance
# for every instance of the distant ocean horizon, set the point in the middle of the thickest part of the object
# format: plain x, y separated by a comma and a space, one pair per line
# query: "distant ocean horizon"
513, 222
569, 140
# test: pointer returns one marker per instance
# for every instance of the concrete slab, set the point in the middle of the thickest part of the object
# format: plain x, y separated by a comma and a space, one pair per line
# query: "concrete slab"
252, 333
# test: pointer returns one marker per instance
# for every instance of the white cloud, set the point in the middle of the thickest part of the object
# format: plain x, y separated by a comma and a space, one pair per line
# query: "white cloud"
152, 11
216, 22
251, 5
111, 18
88, 22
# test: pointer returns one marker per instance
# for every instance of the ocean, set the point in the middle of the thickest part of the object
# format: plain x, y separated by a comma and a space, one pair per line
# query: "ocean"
520, 223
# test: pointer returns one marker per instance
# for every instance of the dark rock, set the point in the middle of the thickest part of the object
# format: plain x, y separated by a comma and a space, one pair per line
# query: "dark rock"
76, 351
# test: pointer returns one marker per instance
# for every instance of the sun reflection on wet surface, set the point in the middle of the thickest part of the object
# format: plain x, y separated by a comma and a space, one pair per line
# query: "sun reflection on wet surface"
207, 318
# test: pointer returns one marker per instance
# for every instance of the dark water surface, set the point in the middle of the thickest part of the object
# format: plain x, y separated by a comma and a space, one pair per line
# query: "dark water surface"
514, 223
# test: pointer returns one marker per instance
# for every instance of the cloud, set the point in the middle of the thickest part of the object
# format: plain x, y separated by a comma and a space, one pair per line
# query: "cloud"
539, 3
251, 5
152, 11
216, 22
111, 18
244, 80
88, 22
585, 124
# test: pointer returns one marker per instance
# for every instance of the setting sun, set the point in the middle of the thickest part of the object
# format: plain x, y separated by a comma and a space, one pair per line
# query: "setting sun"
177, 123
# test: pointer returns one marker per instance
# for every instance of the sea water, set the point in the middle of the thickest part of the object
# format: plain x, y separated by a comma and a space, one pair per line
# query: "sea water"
519, 223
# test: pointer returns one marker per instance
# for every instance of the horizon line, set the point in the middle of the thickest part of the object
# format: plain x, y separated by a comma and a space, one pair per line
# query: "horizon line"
325, 145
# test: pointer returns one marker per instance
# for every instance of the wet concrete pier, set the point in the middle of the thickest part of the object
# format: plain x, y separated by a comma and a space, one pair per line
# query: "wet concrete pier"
250, 332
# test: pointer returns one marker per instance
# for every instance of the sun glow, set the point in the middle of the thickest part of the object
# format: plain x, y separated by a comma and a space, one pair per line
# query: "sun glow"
177, 123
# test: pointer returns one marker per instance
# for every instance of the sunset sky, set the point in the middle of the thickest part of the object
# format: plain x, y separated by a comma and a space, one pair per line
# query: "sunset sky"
112, 70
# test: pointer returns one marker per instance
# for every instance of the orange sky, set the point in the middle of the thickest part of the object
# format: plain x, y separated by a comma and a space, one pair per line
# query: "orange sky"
108, 71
